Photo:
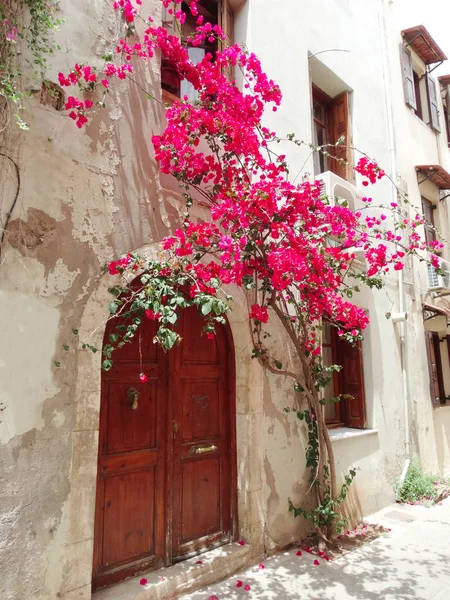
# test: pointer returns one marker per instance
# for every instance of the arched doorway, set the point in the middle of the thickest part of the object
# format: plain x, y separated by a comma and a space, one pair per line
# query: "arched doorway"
166, 483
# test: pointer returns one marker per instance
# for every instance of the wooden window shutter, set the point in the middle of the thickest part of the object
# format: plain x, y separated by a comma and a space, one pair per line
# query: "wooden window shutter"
433, 104
340, 127
408, 78
432, 368
427, 211
447, 113
226, 22
351, 381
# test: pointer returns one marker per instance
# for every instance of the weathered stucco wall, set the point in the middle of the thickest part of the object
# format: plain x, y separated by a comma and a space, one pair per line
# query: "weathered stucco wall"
86, 197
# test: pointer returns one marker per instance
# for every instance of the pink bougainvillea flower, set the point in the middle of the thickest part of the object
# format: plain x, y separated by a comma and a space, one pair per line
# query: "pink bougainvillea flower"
210, 335
316, 562
299, 553
143, 581
261, 566
213, 597
239, 583
241, 543
143, 378
247, 587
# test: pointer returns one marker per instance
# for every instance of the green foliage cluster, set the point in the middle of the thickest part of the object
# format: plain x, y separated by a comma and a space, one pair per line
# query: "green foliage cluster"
26, 34
418, 486
160, 293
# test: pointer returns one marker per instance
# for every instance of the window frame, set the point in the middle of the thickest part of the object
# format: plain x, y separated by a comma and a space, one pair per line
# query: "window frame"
322, 99
416, 97
337, 112
224, 17
342, 416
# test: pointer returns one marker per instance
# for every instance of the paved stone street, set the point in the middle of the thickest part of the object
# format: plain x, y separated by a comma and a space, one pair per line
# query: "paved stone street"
410, 562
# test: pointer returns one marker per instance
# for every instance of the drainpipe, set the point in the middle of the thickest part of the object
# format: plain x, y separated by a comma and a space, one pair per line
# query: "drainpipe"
401, 315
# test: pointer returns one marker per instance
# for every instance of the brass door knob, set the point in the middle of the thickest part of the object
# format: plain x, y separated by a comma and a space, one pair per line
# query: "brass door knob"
133, 395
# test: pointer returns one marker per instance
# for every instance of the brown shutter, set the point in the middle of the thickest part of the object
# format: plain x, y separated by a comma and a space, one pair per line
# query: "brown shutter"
433, 104
408, 78
447, 113
432, 367
427, 210
351, 381
226, 22
339, 128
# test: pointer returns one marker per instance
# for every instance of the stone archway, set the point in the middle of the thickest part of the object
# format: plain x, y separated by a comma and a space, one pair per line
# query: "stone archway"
80, 509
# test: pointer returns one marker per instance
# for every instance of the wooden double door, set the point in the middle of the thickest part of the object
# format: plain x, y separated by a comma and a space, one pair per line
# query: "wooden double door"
166, 473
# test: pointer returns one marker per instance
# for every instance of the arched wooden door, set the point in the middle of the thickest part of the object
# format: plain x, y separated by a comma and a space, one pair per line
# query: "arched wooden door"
166, 466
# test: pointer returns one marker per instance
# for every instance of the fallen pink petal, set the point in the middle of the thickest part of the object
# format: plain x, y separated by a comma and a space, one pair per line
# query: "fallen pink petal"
247, 588
213, 598
261, 566
143, 581
316, 562
199, 562
239, 583
241, 543
299, 553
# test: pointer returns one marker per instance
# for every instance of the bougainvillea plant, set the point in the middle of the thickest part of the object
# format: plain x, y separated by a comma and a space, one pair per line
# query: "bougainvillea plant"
296, 253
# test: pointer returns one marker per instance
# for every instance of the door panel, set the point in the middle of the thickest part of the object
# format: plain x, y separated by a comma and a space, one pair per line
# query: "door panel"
131, 513
161, 496
200, 414
130, 519
201, 514
129, 429
200, 488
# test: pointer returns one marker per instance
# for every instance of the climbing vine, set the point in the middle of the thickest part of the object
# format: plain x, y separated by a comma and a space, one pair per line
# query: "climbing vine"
327, 513
26, 40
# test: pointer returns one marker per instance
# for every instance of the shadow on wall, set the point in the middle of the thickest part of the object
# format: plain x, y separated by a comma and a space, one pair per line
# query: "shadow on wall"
144, 216
365, 491
441, 420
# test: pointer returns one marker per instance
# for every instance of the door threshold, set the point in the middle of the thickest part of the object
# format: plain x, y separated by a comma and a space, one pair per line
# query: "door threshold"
183, 577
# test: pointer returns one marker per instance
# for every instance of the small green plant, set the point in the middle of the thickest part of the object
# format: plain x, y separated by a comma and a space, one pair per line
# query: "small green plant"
326, 515
418, 486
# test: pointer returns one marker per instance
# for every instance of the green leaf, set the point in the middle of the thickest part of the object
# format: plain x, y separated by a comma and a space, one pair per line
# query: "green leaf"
207, 307
113, 306
107, 364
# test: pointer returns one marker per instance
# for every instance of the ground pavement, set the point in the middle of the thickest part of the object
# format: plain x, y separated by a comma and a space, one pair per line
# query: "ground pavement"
412, 561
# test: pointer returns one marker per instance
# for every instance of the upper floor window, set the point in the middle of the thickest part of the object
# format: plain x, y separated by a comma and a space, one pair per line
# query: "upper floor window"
445, 95
216, 12
427, 211
350, 411
330, 123
420, 88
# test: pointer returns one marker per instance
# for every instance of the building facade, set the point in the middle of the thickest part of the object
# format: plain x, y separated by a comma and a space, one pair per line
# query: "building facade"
345, 68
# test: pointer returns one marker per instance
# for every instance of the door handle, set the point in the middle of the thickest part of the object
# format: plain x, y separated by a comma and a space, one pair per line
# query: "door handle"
202, 450
133, 395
